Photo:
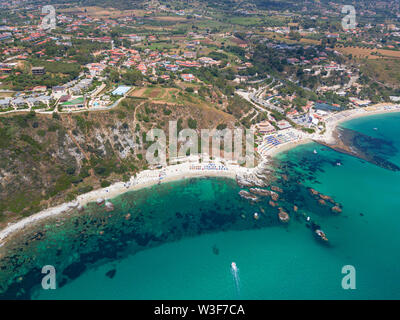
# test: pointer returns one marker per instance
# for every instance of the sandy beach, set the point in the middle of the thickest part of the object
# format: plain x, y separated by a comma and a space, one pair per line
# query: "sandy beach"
287, 146
191, 169
144, 179
332, 121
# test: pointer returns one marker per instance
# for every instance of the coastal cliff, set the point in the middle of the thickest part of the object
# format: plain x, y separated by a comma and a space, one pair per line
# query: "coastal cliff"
47, 159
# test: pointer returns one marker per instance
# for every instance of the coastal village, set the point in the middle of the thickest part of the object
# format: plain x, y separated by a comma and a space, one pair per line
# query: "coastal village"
93, 89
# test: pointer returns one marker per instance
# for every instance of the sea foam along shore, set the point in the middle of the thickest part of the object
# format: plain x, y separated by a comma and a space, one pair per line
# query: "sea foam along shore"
147, 178
332, 121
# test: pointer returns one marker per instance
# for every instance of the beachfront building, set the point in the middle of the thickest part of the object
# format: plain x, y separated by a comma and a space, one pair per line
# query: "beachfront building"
304, 120
360, 103
265, 127
283, 124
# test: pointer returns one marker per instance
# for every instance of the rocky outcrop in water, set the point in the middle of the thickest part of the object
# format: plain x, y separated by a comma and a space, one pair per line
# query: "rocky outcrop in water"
283, 216
277, 189
247, 195
274, 196
336, 209
258, 177
272, 204
260, 192
363, 147
325, 200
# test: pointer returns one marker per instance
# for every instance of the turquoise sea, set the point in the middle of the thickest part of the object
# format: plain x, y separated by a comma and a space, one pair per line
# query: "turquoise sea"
180, 238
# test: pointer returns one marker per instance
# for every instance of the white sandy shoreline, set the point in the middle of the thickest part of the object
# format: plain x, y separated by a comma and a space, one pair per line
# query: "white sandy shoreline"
144, 179
332, 122
148, 178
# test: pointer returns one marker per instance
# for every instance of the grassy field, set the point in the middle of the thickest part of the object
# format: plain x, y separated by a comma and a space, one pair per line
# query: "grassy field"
359, 52
384, 71
158, 94
98, 12
246, 21
160, 46
283, 38
6, 94
170, 18
173, 96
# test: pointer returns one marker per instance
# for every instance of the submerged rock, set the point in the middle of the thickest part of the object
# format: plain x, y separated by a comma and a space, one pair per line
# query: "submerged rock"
272, 204
336, 209
274, 196
261, 192
327, 198
277, 189
111, 274
215, 249
283, 216
247, 195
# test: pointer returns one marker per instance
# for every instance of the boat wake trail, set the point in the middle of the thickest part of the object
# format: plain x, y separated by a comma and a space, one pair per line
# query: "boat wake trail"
236, 279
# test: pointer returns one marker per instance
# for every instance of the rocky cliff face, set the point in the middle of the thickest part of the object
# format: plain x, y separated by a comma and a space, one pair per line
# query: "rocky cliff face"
45, 159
